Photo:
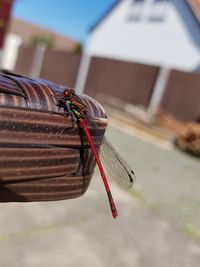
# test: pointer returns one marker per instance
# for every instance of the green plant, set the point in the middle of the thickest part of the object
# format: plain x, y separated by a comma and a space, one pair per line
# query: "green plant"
78, 48
42, 40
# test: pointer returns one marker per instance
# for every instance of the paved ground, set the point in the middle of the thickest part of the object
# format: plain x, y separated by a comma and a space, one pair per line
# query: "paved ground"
159, 223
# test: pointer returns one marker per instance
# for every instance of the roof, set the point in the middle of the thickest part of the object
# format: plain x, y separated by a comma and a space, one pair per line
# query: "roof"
27, 31
195, 6
108, 11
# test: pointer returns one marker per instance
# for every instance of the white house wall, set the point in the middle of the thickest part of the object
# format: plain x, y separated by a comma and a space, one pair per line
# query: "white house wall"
173, 43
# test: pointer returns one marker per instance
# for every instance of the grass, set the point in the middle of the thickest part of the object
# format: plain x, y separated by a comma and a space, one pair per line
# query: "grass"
153, 206
191, 230
187, 211
41, 229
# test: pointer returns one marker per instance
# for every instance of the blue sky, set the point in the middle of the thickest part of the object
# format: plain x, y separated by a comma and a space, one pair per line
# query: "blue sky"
68, 17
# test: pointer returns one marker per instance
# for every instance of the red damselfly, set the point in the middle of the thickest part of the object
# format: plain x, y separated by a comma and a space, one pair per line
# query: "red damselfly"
116, 166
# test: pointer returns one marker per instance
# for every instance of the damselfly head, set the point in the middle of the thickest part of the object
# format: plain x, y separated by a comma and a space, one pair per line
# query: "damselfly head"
66, 94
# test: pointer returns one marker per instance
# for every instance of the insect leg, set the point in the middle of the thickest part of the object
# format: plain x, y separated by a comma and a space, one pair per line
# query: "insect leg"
70, 113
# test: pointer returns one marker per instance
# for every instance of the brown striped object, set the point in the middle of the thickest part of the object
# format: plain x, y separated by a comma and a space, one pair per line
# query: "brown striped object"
43, 154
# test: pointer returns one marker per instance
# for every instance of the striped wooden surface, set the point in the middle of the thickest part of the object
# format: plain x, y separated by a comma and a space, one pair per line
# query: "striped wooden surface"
44, 155
27, 126
40, 94
54, 188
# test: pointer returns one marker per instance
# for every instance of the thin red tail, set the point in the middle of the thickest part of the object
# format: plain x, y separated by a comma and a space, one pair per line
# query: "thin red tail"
110, 198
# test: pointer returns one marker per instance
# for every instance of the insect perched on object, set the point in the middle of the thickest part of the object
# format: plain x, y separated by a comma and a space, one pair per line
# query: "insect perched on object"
115, 165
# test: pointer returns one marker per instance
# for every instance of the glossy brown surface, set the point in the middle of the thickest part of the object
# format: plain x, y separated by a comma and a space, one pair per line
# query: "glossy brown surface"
44, 155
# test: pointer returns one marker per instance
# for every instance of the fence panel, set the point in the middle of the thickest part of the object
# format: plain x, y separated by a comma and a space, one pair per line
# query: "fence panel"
60, 67
182, 95
130, 82
24, 59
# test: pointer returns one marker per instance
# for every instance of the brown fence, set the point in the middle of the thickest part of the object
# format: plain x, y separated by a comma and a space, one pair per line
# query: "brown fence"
182, 95
24, 60
127, 81
60, 67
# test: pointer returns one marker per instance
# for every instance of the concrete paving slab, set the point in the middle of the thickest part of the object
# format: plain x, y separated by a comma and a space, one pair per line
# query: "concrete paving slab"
158, 224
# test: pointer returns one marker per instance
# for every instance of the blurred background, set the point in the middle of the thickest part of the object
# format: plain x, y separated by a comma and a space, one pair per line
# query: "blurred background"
141, 60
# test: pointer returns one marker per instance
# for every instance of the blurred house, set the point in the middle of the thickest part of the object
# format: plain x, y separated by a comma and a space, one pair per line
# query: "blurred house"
142, 52
24, 34
156, 32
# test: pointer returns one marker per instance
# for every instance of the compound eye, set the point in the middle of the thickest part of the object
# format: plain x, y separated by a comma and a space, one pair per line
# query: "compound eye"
66, 93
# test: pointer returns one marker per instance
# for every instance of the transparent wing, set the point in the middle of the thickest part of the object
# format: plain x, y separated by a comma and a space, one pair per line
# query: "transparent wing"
115, 165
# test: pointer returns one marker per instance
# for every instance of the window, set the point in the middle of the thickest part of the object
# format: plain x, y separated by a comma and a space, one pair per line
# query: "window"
158, 10
135, 10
